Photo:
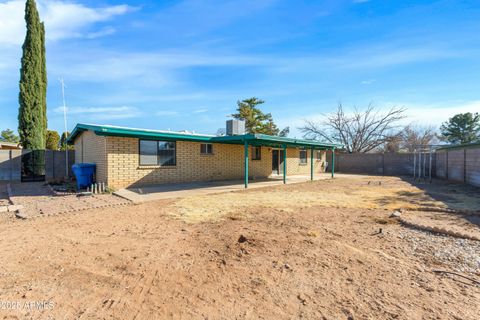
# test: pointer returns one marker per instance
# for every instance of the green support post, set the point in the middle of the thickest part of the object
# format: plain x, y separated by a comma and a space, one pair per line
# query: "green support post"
311, 164
333, 163
246, 164
284, 164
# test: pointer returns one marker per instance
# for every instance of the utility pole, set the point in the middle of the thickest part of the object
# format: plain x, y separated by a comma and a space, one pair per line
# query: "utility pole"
65, 125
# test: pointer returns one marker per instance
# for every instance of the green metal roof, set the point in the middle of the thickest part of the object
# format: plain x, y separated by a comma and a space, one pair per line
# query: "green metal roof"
252, 139
460, 146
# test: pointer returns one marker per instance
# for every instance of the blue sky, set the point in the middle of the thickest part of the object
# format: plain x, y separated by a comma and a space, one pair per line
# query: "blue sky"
184, 64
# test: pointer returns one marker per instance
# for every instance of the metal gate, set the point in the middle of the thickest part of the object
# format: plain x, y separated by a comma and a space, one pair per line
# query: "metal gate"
33, 166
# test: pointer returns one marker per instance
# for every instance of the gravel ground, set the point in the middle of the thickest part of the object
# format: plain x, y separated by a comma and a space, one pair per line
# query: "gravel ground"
459, 255
38, 200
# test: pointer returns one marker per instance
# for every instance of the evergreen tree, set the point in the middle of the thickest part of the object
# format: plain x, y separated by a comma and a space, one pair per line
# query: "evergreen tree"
284, 133
53, 140
44, 79
462, 128
255, 120
32, 117
63, 142
8, 135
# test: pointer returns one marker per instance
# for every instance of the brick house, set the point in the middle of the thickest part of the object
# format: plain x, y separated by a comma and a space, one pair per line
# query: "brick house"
127, 157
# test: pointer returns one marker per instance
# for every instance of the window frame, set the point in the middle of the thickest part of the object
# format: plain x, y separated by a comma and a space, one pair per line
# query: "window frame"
254, 153
319, 155
300, 157
206, 149
157, 142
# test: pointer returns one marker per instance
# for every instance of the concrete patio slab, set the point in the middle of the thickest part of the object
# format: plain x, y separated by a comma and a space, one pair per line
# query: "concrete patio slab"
179, 190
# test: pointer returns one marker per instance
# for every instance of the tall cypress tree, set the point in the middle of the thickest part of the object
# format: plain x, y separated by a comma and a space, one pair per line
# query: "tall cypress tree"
32, 117
44, 81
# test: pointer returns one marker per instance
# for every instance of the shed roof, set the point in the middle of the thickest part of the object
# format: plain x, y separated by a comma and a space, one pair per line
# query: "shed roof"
252, 139
460, 146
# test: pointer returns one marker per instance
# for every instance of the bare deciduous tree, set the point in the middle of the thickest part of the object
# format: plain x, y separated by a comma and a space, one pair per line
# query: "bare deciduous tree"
359, 131
414, 136
411, 138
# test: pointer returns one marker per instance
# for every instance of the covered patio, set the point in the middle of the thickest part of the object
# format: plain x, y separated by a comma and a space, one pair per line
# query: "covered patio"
180, 190
131, 157
259, 140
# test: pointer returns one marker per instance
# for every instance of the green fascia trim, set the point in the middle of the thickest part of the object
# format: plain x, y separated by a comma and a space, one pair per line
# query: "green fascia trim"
135, 133
274, 141
460, 146
251, 139
295, 142
155, 136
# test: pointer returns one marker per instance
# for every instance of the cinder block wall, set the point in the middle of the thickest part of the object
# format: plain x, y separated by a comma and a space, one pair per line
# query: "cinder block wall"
460, 164
456, 162
472, 162
365, 163
55, 164
441, 164
10, 165
394, 164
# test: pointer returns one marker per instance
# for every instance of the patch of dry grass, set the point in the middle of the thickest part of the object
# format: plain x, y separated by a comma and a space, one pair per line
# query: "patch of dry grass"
362, 192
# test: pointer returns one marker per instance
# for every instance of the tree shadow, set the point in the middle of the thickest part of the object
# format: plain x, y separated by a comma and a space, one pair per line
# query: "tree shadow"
443, 202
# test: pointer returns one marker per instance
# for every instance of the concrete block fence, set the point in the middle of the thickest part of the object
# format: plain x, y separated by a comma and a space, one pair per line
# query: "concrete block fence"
457, 164
391, 164
11, 164
460, 164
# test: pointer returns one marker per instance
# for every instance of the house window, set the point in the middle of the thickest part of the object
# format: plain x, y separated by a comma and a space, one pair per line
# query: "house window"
157, 153
206, 148
319, 155
303, 156
257, 153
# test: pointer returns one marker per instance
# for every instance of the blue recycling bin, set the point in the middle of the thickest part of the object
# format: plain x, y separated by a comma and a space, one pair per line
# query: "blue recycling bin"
84, 173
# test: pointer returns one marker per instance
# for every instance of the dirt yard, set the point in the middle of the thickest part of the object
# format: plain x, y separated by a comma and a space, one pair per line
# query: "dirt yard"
317, 250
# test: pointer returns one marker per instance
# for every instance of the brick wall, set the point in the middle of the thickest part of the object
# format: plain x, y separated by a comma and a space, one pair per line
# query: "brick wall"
227, 162
294, 167
117, 161
90, 148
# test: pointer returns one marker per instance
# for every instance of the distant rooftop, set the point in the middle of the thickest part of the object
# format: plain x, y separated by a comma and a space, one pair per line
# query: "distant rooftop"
9, 145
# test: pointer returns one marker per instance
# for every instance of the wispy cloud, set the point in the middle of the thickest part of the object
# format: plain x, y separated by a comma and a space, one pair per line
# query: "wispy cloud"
416, 113
155, 68
436, 114
370, 56
100, 33
165, 113
102, 113
63, 19
200, 111
369, 81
